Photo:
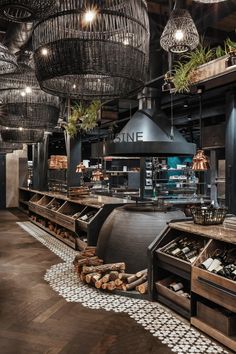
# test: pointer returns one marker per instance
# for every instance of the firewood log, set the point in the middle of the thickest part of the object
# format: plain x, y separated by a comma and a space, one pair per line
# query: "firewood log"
114, 275
82, 277
111, 285
95, 277
86, 261
104, 286
124, 276
137, 282
98, 284
90, 248
118, 282
132, 278
141, 273
142, 288
104, 268
105, 278
89, 278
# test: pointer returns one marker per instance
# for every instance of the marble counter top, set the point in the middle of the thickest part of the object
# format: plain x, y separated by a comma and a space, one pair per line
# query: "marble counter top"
91, 200
217, 232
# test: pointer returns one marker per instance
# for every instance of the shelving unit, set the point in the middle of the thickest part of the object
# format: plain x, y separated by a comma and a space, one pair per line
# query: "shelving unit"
75, 222
212, 307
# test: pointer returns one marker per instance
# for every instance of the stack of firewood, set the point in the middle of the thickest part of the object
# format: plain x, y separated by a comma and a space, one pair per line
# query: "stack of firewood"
92, 270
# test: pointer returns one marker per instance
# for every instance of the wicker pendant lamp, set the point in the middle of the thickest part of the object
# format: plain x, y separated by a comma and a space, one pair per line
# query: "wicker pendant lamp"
8, 62
24, 104
180, 33
26, 136
25, 10
93, 49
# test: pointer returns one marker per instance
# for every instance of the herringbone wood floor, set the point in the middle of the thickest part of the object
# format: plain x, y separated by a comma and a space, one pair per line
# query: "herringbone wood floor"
35, 320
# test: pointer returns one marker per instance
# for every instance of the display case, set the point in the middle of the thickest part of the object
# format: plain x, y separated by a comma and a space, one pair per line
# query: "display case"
75, 222
201, 288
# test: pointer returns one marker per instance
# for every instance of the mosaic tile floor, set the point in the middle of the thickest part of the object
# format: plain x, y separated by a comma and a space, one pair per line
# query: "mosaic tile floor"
161, 323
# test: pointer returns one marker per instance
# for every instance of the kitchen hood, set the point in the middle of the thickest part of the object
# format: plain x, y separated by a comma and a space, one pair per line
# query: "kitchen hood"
148, 133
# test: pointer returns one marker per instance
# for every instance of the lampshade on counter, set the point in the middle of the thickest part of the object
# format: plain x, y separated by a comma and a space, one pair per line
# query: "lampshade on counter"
93, 49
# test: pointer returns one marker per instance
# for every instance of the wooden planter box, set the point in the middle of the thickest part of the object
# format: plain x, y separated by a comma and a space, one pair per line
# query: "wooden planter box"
209, 70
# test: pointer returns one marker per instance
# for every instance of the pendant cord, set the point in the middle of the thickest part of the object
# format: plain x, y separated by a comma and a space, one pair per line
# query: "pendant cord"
172, 116
200, 120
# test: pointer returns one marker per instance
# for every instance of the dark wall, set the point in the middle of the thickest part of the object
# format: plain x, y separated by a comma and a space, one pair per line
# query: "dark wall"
2, 181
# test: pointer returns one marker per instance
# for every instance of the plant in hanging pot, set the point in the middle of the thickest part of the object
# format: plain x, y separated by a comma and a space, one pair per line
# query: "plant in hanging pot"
83, 118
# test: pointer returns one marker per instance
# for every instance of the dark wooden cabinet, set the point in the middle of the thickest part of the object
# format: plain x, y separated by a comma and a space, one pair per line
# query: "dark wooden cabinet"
78, 220
212, 305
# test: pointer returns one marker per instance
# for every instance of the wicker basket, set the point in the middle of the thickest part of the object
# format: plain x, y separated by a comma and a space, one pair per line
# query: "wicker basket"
208, 215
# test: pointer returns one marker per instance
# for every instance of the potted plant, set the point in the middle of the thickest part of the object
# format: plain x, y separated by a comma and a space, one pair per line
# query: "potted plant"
83, 118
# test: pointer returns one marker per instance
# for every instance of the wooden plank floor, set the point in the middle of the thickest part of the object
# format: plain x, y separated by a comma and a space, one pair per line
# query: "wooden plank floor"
34, 319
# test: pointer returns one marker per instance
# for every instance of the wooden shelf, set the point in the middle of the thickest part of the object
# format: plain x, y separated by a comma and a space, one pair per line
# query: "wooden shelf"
66, 241
229, 342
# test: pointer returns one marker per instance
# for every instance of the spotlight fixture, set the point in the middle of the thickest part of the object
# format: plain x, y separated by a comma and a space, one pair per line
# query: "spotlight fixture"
180, 33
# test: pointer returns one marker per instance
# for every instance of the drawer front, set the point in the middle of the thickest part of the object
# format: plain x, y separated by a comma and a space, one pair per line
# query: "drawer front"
214, 288
66, 222
174, 262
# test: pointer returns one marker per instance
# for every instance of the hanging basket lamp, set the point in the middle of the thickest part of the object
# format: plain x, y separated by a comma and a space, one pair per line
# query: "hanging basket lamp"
93, 49
24, 104
180, 33
8, 61
25, 10
27, 136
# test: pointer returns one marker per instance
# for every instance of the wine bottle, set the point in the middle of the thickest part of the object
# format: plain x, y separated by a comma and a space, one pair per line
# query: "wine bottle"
176, 286
207, 263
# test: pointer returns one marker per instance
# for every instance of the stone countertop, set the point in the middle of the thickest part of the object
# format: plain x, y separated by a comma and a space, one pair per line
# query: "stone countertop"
91, 200
217, 232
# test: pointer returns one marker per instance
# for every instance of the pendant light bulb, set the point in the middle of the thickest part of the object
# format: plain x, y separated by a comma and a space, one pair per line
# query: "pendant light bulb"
90, 16
179, 35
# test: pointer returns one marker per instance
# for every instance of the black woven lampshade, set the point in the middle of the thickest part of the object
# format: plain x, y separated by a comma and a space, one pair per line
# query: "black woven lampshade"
93, 49
24, 104
180, 33
8, 62
26, 136
25, 10
10, 146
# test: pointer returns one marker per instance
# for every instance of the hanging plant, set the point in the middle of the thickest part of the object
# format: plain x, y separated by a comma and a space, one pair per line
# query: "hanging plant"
185, 70
83, 118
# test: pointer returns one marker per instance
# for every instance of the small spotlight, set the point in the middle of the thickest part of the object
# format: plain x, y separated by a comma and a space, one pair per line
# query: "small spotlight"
44, 51
74, 86
20, 128
7, 128
23, 93
28, 89
89, 16
126, 41
179, 35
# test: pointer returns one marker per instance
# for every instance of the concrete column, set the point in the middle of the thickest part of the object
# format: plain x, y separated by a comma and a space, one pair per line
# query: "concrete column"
74, 156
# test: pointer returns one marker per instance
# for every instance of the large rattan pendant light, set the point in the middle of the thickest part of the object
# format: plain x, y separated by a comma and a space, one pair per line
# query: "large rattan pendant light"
25, 10
26, 136
180, 33
24, 104
8, 61
93, 49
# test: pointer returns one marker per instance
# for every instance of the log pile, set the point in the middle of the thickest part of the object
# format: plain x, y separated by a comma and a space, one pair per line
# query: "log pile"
92, 270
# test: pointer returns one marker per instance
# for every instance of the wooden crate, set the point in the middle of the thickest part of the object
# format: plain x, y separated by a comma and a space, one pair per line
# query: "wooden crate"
215, 316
